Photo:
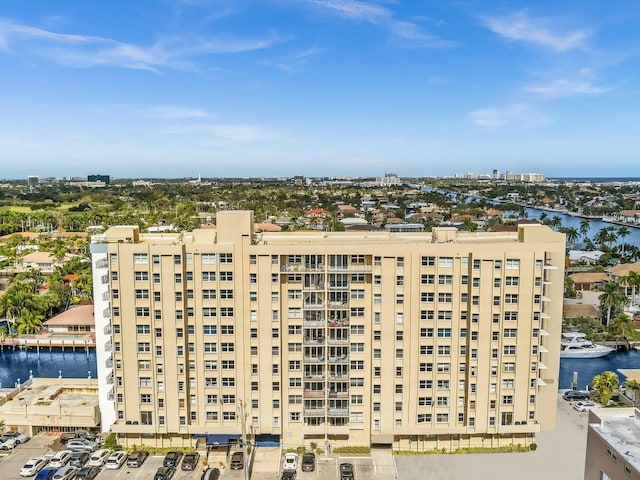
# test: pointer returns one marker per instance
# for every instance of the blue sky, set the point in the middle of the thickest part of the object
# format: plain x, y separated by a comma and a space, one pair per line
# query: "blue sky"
318, 87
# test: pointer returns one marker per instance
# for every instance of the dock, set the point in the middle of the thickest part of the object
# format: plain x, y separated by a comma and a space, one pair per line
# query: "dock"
27, 342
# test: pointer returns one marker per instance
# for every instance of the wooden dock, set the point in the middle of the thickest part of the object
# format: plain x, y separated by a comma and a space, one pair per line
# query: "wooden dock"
47, 343
620, 345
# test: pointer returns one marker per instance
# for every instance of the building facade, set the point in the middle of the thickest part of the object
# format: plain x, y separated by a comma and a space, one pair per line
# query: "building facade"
613, 451
419, 340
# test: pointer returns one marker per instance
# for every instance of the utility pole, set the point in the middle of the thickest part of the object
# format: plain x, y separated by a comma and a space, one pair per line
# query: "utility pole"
245, 454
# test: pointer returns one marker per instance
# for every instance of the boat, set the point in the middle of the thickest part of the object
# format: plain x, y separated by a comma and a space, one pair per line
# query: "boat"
576, 345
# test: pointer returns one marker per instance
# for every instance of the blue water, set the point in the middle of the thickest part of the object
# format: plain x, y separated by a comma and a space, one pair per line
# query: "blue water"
588, 368
19, 364
22, 363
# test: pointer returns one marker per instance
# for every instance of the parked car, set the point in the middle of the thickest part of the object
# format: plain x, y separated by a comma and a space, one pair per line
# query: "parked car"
33, 466
65, 473
172, 459
10, 434
88, 473
190, 461
137, 458
584, 406
81, 445
98, 457
164, 473
289, 475
210, 474
308, 462
116, 460
10, 442
78, 459
60, 459
237, 461
576, 395
66, 436
290, 462
346, 471
46, 474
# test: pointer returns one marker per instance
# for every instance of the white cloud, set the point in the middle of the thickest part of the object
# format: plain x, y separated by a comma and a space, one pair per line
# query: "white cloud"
564, 88
88, 51
518, 116
381, 17
172, 112
522, 27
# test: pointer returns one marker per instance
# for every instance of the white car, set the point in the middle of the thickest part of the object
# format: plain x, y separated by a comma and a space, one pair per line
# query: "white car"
33, 466
9, 444
81, 445
98, 457
290, 462
60, 459
584, 406
116, 460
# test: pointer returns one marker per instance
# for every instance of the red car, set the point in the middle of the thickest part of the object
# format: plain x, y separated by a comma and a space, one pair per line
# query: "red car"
190, 461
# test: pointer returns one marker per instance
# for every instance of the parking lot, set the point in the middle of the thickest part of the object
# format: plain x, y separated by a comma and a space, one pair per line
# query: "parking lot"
40, 446
267, 465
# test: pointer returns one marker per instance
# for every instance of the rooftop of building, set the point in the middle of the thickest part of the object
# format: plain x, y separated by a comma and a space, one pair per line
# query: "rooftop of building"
619, 428
242, 223
79, 315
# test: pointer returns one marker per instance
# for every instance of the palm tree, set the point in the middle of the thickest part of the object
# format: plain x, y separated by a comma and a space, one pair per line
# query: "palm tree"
584, 227
622, 233
555, 222
621, 326
605, 385
631, 280
29, 323
632, 387
571, 234
611, 299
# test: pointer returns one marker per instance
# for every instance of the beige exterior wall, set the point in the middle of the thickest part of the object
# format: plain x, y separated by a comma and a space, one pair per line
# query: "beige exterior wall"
612, 447
424, 341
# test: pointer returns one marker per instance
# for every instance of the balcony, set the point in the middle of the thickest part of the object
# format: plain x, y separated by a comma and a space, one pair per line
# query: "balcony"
110, 379
338, 341
313, 340
107, 330
102, 264
313, 393
314, 304
313, 323
108, 347
314, 376
314, 412
314, 358
110, 395
339, 376
108, 363
106, 313
104, 279
338, 412
106, 296
338, 394
313, 287
338, 323
339, 359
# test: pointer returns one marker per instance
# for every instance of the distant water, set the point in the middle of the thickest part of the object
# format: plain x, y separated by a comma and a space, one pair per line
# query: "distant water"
21, 363
597, 179
17, 364
588, 368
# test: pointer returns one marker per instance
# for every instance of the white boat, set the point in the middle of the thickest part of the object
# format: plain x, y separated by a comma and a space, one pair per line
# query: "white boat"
576, 345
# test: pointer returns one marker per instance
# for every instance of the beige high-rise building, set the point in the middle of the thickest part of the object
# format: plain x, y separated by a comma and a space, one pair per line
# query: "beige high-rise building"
441, 340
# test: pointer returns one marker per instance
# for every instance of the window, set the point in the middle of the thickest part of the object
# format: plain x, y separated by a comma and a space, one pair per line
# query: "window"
510, 333
427, 296
143, 329
511, 298
511, 316
208, 276
140, 258
144, 347
177, 278
445, 279
512, 281
428, 261
509, 350
445, 262
226, 258
140, 276
427, 279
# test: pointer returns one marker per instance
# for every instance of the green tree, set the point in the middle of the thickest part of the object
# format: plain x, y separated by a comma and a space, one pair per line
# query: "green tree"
604, 386
631, 280
584, 227
632, 387
622, 233
29, 323
611, 300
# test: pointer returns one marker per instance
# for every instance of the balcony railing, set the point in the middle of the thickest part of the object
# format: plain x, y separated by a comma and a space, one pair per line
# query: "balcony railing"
314, 359
313, 323
338, 412
313, 286
313, 340
314, 393
314, 412
106, 296
108, 346
102, 264
339, 359
338, 341
104, 279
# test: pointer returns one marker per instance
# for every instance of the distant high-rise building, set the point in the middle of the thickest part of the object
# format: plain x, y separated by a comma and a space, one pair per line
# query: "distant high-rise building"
32, 180
496, 174
99, 178
420, 341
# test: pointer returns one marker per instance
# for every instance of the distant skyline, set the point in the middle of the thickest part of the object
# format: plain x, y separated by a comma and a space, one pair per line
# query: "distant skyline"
277, 88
